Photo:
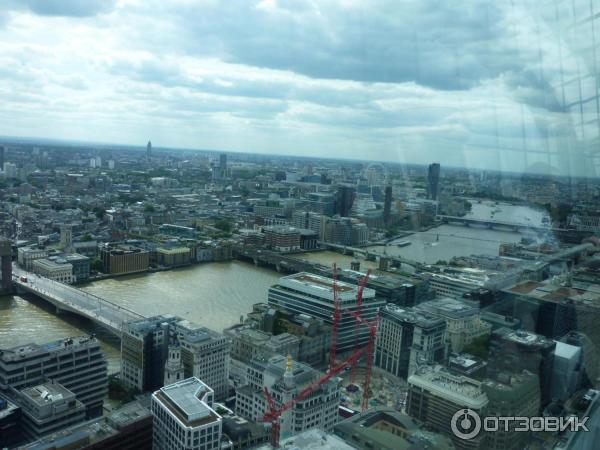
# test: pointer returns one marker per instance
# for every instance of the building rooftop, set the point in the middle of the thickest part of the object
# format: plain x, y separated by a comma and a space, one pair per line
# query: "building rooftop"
311, 440
523, 337
419, 318
378, 426
557, 290
187, 400
29, 350
93, 431
449, 307
460, 389
322, 287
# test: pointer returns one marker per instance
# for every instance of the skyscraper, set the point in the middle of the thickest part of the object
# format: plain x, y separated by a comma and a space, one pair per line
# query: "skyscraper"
149, 150
2, 150
223, 165
433, 181
344, 199
387, 204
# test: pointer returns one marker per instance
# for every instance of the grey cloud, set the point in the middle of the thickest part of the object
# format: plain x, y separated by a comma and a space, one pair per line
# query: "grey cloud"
444, 45
66, 8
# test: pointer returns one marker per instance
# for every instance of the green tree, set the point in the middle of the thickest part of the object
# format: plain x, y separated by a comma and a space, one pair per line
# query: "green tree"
149, 207
97, 265
223, 225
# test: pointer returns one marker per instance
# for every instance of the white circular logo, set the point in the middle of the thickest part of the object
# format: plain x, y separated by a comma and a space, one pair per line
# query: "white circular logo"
465, 424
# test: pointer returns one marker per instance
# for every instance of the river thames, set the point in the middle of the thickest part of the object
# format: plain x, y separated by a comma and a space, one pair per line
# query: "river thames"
217, 294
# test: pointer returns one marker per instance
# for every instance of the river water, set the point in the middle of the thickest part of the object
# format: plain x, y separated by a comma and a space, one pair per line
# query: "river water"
217, 294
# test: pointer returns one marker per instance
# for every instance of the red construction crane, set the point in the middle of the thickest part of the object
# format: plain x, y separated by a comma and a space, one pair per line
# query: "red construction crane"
336, 320
273, 414
361, 287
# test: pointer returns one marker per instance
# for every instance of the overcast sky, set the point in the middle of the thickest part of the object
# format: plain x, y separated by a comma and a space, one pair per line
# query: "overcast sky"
415, 81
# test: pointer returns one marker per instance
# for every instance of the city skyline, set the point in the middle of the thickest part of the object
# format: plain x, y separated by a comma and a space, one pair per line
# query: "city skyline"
349, 81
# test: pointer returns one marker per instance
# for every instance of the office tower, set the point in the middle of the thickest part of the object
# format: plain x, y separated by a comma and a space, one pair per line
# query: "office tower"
122, 259
407, 339
305, 293
204, 354
285, 379
433, 181
5, 264
223, 165
567, 370
184, 417
321, 203
517, 395
77, 363
589, 365
387, 205
282, 238
149, 150
435, 395
144, 351
514, 351
48, 408
463, 321
344, 199
2, 156
344, 231
66, 237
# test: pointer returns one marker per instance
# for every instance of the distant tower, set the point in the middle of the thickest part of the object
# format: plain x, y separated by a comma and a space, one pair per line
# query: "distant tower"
344, 199
66, 238
289, 391
2, 150
149, 150
433, 181
173, 366
223, 165
387, 205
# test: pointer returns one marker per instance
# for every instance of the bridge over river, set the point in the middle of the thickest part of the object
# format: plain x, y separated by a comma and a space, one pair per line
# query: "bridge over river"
64, 297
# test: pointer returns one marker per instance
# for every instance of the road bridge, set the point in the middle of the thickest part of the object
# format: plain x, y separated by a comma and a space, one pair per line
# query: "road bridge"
64, 297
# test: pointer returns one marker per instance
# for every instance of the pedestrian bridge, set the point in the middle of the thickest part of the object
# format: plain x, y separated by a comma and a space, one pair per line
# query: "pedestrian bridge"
104, 313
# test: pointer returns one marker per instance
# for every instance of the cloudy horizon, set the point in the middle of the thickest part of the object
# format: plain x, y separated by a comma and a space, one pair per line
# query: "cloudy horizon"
475, 84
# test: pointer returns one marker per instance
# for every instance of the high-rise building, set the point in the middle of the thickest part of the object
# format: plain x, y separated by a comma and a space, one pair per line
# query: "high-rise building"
514, 351
145, 355
2, 156
514, 396
435, 395
305, 293
77, 363
184, 417
407, 339
463, 320
5, 264
387, 205
144, 352
285, 379
344, 199
223, 165
204, 354
149, 150
433, 181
